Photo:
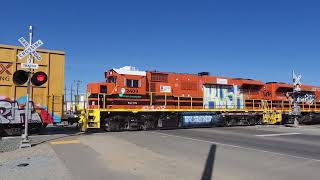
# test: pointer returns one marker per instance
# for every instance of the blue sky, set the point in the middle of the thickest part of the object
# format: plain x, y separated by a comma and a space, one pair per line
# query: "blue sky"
258, 39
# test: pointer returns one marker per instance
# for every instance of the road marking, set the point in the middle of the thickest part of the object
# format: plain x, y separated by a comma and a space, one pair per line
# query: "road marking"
10, 137
235, 146
65, 142
42, 135
278, 134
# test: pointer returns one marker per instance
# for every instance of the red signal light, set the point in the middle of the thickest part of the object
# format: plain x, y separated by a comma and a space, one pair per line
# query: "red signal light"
39, 78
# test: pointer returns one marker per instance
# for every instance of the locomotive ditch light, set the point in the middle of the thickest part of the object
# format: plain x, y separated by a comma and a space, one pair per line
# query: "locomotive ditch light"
20, 77
39, 78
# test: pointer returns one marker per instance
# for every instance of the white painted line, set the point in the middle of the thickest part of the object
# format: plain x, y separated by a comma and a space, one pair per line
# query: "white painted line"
10, 137
19, 137
279, 134
312, 128
41, 135
235, 146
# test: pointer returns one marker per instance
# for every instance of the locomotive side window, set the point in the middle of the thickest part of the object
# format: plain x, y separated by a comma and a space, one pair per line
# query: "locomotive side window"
132, 83
103, 89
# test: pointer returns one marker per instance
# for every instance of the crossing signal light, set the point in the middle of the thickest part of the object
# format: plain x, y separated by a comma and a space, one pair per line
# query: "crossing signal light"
39, 78
20, 77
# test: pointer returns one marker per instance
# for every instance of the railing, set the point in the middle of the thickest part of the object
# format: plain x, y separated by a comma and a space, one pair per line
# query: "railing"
191, 99
247, 104
287, 105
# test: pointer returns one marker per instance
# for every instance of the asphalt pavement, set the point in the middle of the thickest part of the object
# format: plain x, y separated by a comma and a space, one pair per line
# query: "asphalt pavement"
257, 152
48, 134
289, 141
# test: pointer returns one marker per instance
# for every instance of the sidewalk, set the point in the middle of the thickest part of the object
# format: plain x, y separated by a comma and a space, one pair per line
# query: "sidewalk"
38, 162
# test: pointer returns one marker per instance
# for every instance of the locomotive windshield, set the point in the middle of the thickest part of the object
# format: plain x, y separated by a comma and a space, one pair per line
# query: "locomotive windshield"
111, 79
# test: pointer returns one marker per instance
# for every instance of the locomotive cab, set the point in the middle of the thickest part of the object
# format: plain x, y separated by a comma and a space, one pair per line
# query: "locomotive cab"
125, 82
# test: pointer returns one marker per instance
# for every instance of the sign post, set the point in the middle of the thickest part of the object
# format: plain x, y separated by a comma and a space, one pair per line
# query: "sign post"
30, 49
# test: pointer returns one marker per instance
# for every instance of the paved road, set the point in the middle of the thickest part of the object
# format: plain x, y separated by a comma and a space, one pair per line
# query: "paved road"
288, 141
240, 152
264, 153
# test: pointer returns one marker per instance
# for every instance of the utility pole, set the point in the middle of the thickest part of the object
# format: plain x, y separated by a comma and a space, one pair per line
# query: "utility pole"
65, 94
65, 100
78, 82
71, 97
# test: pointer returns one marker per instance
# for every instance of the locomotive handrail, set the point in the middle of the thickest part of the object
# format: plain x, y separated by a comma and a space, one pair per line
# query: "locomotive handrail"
178, 102
104, 100
178, 97
165, 99
253, 104
284, 105
248, 104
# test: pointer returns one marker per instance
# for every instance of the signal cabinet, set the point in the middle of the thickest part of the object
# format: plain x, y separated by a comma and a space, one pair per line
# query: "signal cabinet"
49, 96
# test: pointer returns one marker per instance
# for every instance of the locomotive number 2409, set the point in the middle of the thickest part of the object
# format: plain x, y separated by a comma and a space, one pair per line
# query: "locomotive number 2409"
131, 91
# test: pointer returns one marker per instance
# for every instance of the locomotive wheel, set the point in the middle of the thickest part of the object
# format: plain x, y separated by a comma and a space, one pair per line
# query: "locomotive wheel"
148, 125
113, 126
142, 127
258, 121
2, 133
227, 123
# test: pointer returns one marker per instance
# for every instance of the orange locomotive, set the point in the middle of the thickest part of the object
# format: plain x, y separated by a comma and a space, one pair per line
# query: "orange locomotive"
133, 99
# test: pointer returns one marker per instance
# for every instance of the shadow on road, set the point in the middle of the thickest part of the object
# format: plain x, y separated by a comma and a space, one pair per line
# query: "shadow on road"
58, 133
208, 169
59, 130
54, 133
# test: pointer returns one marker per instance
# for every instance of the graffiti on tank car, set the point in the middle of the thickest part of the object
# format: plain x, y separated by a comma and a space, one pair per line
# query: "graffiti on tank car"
10, 113
5, 110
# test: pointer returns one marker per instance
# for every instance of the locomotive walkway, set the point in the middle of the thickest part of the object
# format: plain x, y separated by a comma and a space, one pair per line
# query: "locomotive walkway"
258, 152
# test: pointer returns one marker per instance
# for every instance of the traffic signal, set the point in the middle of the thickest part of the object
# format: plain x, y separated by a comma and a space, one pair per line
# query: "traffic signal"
20, 77
39, 78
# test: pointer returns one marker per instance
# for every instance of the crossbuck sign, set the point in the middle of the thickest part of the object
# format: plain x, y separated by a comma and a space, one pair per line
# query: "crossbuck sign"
29, 49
